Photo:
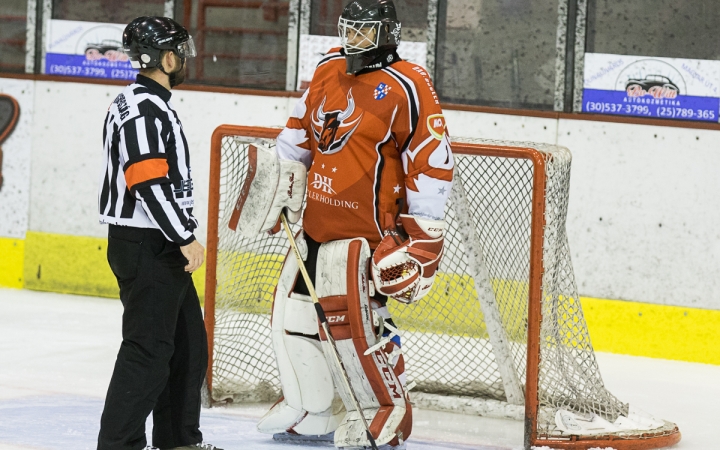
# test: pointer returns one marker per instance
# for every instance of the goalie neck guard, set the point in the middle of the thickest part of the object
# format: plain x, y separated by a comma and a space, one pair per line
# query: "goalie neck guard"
370, 33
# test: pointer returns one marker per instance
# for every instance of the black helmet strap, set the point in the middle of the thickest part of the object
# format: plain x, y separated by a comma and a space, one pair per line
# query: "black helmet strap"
176, 77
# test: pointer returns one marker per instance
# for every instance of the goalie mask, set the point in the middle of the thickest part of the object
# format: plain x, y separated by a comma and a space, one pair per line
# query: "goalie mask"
146, 38
370, 33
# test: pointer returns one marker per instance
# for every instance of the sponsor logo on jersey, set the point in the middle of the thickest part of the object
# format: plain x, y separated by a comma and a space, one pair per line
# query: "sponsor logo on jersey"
332, 129
312, 195
436, 125
183, 186
381, 91
323, 183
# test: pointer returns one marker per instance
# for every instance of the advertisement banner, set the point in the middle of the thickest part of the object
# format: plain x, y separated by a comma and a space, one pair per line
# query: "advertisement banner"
670, 88
314, 47
87, 49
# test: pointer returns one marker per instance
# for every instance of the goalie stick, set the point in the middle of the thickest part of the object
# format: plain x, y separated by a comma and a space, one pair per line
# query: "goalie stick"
326, 328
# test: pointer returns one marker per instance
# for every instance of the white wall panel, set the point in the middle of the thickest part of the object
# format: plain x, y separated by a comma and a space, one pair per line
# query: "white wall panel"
15, 192
643, 217
67, 152
66, 157
501, 126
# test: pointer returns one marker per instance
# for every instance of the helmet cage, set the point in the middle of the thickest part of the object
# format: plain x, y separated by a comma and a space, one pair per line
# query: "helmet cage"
356, 36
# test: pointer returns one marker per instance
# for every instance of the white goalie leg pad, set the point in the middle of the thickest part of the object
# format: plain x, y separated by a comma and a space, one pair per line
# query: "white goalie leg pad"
310, 404
343, 289
271, 184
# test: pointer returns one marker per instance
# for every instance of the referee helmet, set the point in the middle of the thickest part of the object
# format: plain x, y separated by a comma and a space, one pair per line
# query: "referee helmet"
145, 38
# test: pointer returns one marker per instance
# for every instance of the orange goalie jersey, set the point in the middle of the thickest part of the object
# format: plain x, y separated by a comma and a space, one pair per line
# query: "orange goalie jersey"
372, 143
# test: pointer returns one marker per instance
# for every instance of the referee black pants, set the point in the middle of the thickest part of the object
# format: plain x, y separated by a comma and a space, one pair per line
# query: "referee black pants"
163, 357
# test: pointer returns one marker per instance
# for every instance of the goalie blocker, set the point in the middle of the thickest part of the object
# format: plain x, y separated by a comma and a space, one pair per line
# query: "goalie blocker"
311, 381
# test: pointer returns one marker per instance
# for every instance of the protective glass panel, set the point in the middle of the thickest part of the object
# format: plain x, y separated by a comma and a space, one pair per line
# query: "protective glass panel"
669, 28
13, 17
497, 52
105, 11
240, 44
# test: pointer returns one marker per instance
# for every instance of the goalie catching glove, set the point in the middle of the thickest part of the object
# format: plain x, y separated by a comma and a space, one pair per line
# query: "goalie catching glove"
271, 185
405, 269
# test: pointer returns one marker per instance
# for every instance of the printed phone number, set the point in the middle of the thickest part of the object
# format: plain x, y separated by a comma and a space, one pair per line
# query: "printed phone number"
644, 110
686, 113
97, 72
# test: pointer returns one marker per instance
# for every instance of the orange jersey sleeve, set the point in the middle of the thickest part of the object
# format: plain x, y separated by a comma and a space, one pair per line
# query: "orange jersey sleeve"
421, 131
375, 145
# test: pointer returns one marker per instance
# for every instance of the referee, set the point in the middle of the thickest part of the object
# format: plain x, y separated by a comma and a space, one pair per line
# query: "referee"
146, 197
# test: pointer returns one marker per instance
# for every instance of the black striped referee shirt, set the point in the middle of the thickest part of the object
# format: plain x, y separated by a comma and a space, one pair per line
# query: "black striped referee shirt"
145, 180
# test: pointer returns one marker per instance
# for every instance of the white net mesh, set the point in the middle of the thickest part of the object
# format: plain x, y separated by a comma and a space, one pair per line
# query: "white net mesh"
447, 340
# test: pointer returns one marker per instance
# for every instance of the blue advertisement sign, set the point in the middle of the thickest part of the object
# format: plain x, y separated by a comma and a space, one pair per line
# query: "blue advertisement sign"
639, 86
87, 49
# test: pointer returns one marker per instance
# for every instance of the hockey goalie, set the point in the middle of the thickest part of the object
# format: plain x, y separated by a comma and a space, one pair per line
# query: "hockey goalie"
367, 147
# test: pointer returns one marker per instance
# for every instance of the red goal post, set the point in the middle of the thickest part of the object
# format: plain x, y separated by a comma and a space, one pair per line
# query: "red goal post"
505, 299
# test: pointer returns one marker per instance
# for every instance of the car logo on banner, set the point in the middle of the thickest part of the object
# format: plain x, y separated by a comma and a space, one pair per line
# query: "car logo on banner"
658, 86
381, 91
436, 125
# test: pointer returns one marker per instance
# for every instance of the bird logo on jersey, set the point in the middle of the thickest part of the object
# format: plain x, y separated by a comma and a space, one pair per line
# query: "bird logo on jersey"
327, 125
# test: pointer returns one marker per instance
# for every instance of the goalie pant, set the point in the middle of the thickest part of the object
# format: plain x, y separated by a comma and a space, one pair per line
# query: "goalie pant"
315, 400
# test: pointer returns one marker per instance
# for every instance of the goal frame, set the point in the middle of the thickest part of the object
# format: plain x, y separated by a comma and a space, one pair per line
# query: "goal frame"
534, 319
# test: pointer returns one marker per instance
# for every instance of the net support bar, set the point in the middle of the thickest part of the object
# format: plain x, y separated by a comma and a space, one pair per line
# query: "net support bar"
486, 295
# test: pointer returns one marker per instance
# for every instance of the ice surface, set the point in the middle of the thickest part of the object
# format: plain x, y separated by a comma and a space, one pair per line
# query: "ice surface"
57, 353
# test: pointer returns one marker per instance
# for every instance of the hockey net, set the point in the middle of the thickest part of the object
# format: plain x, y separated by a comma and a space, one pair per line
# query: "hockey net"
502, 324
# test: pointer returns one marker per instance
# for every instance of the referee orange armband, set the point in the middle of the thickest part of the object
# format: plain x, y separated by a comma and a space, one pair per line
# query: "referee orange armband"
146, 170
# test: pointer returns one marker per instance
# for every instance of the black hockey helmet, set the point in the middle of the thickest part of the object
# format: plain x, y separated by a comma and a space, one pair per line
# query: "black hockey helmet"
145, 38
367, 28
